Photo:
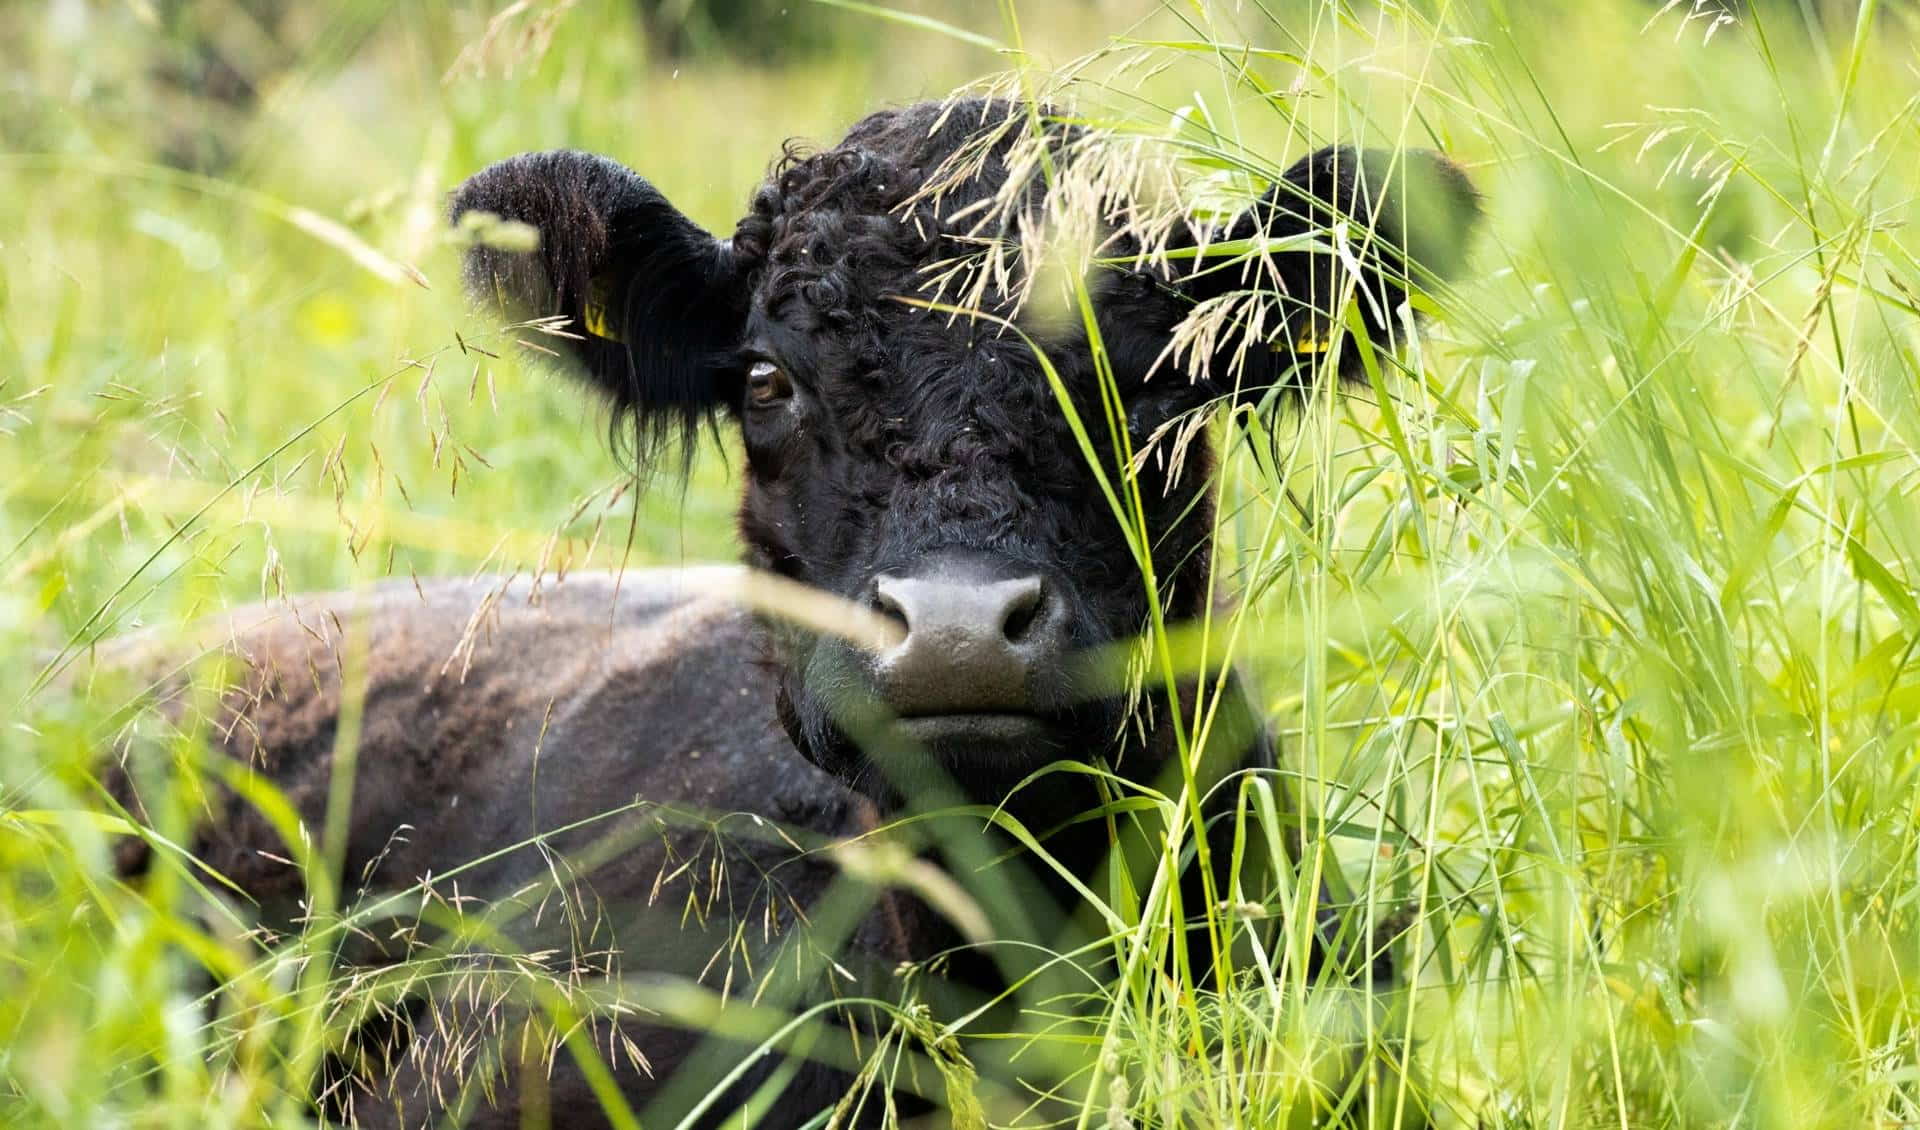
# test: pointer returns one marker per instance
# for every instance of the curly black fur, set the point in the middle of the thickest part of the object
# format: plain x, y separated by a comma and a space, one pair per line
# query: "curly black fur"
914, 430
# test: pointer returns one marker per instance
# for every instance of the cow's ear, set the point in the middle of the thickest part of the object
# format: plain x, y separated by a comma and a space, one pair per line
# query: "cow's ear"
646, 305
1342, 223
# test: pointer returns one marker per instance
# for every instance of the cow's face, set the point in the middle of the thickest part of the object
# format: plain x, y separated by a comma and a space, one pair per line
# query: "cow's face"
919, 459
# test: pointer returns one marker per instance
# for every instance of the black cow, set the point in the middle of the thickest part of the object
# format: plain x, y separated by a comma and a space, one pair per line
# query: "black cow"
908, 450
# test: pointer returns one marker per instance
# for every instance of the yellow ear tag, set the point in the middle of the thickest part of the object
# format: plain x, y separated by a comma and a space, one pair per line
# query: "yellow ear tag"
1315, 337
596, 310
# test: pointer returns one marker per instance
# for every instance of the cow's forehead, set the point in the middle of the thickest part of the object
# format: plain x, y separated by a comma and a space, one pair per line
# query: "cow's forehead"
874, 303
839, 238
904, 355
875, 265
896, 300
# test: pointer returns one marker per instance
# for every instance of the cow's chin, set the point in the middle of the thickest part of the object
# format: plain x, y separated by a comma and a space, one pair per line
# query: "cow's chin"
962, 732
972, 757
932, 760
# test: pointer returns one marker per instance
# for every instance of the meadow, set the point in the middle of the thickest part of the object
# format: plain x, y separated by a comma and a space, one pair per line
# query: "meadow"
1592, 639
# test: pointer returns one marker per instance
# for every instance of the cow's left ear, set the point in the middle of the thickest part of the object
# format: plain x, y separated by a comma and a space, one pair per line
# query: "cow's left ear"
1368, 226
652, 306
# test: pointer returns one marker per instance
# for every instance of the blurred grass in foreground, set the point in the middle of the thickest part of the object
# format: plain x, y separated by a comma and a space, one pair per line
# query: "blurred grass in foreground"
1594, 645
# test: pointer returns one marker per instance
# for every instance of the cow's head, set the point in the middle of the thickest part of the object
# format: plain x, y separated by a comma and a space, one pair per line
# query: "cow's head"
921, 462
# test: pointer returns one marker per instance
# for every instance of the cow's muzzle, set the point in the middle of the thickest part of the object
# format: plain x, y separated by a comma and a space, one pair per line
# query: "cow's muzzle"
980, 638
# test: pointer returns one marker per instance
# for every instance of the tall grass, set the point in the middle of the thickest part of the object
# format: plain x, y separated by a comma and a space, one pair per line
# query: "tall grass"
1589, 634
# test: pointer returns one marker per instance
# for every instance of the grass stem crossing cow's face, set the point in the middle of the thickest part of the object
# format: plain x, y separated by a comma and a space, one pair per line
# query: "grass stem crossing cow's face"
909, 420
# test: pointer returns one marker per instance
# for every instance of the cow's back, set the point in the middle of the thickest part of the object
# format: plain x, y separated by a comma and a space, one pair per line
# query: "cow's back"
493, 710
589, 770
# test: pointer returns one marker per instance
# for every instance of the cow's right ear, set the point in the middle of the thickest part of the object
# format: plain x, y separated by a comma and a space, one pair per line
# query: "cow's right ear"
652, 306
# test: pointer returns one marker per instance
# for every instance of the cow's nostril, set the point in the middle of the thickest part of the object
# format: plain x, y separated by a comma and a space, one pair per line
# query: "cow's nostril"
888, 604
1023, 608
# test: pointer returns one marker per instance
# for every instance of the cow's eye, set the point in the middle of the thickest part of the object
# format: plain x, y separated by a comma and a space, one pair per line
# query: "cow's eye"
767, 383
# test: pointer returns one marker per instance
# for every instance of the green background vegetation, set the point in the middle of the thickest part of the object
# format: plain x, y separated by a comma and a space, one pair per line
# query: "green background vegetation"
1593, 646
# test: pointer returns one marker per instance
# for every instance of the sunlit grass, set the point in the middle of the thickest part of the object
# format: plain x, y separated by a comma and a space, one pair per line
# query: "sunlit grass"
1590, 644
